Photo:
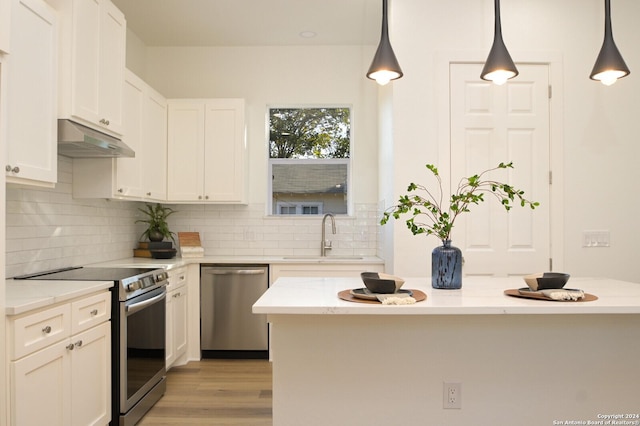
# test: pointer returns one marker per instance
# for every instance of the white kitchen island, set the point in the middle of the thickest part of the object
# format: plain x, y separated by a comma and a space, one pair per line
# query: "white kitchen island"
519, 361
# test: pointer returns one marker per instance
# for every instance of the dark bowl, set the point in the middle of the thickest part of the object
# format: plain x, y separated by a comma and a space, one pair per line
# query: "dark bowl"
377, 282
163, 253
546, 280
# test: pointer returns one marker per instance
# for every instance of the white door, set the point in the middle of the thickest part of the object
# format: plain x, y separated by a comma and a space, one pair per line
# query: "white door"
492, 124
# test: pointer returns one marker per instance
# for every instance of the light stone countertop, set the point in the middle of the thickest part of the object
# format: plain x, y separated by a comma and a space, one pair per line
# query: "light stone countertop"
478, 296
178, 261
26, 295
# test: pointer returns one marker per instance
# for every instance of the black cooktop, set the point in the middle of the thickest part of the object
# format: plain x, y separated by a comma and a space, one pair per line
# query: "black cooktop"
87, 274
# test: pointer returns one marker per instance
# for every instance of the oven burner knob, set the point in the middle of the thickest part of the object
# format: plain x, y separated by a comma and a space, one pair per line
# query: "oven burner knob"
136, 285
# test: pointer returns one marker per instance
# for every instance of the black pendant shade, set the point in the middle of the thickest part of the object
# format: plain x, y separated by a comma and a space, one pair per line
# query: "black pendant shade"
385, 66
609, 66
499, 66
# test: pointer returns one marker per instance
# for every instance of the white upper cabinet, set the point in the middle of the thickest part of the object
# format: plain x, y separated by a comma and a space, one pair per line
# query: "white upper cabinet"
31, 95
154, 146
207, 151
92, 63
143, 177
5, 11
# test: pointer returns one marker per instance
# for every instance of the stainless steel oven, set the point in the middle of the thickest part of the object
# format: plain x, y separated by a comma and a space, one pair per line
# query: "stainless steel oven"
141, 354
138, 320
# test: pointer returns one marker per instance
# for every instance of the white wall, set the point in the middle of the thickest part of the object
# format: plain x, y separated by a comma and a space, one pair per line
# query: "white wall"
277, 76
600, 124
270, 76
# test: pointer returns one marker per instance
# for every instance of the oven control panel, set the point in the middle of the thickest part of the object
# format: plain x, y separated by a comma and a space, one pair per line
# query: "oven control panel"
144, 282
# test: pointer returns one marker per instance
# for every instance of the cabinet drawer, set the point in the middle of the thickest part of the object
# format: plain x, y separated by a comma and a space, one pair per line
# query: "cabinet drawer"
90, 311
177, 278
35, 331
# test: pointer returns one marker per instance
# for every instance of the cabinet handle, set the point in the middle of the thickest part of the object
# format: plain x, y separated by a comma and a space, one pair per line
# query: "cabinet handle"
94, 312
78, 343
206, 197
199, 197
70, 346
181, 278
46, 330
121, 190
8, 167
104, 121
148, 194
177, 294
15, 169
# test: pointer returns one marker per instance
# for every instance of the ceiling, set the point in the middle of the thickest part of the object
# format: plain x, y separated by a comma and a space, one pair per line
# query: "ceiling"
253, 22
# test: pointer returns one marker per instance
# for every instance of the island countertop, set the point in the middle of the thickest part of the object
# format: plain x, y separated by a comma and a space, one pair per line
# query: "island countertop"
478, 296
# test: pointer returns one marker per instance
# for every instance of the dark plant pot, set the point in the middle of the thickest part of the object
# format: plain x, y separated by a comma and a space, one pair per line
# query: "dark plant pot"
446, 267
155, 235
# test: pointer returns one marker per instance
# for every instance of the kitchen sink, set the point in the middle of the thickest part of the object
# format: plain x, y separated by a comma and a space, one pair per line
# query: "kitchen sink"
323, 258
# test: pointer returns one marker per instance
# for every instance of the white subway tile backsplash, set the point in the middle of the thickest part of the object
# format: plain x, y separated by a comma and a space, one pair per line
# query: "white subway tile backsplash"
47, 229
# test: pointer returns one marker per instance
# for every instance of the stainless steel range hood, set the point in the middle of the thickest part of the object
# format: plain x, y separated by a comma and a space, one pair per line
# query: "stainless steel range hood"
78, 141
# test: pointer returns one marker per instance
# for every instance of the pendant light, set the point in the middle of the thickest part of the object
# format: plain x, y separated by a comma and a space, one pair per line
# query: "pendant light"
609, 66
499, 66
384, 67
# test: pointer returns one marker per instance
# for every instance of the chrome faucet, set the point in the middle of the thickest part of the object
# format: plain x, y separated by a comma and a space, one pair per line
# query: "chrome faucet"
326, 244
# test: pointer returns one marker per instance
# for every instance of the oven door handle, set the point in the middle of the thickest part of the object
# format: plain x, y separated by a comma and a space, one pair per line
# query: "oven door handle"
132, 309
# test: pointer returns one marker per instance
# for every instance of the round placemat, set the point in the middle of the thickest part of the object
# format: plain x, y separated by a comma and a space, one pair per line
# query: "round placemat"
346, 295
515, 293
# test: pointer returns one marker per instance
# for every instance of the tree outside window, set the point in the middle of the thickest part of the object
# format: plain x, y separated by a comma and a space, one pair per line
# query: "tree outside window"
309, 150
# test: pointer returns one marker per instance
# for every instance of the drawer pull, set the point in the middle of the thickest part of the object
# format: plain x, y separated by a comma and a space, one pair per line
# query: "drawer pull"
94, 312
47, 329
79, 343
70, 346
181, 277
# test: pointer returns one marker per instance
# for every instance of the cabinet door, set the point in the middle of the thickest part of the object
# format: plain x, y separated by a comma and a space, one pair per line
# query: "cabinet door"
41, 387
185, 151
129, 170
180, 321
31, 94
170, 352
91, 376
5, 10
112, 48
154, 160
224, 151
86, 53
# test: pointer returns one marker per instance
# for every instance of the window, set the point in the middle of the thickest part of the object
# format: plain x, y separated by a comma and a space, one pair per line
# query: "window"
309, 158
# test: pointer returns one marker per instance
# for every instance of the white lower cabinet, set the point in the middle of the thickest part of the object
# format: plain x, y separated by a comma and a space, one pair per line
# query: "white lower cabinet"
277, 270
176, 318
66, 383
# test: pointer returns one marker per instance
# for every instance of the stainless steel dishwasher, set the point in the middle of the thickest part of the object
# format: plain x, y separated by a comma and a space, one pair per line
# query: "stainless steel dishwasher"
228, 328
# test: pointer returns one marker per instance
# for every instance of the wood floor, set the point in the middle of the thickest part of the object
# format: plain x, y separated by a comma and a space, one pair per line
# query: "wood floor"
215, 392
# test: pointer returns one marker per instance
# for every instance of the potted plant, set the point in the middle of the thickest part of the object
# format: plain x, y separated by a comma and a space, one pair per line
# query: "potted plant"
157, 229
428, 215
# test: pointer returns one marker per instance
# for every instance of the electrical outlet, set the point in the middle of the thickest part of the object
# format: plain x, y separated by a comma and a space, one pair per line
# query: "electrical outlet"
452, 395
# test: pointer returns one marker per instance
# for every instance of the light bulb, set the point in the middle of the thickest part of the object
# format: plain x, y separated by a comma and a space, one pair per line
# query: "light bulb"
609, 77
499, 77
383, 77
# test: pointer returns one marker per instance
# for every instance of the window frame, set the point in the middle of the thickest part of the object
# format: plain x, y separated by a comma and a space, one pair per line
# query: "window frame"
270, 161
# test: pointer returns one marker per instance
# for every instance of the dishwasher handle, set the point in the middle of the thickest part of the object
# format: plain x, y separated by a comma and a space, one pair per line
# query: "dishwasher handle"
211, 271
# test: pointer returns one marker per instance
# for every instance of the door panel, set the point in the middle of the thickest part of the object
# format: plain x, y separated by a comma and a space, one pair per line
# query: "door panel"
492, 124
